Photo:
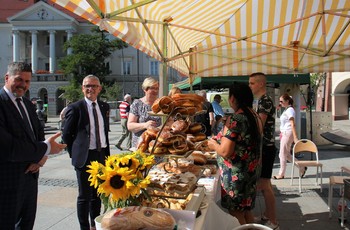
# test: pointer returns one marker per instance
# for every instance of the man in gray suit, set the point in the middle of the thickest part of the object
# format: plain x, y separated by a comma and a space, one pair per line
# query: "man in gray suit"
23, 150
86, 135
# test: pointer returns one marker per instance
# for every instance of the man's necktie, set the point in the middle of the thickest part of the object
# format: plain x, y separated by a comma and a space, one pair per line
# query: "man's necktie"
97, 127
24, 116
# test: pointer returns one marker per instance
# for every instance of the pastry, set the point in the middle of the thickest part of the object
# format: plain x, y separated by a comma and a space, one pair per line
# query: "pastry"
179, 126
194, 127
199, 158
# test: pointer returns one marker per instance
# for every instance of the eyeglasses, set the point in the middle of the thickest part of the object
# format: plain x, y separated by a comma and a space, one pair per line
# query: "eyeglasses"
91, 86
153, 88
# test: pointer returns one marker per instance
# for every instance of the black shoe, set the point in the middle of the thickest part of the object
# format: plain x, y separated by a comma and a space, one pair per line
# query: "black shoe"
118, 147
302, 175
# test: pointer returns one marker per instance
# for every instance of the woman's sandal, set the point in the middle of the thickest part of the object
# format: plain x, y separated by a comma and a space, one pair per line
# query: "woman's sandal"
278, 177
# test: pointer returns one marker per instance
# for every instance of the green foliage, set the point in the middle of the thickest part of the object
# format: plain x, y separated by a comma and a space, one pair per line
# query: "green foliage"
89, 52
316, 79
72, 92
111, 91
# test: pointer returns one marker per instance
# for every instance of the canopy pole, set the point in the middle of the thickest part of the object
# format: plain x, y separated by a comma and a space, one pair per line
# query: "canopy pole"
163, 77
192, 68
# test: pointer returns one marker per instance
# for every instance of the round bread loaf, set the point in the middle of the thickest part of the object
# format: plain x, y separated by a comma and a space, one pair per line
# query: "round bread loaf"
138, 217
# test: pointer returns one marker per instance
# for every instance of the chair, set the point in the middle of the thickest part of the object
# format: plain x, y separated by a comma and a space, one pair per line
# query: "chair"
344, 169
305, 145
252, 226
336, 181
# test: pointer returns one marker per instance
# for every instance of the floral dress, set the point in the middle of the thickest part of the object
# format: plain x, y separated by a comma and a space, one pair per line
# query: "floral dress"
240, 172
140, 109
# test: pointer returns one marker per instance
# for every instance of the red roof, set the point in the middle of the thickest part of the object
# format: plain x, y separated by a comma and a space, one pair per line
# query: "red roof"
9, 8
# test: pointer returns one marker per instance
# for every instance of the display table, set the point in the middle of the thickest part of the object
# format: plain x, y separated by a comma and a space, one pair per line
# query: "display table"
212, 216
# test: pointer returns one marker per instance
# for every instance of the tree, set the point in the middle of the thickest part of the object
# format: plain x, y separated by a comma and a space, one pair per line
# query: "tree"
89, 52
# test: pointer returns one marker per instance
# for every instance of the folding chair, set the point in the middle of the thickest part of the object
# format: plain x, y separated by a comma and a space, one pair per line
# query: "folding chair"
252, 226
302, 146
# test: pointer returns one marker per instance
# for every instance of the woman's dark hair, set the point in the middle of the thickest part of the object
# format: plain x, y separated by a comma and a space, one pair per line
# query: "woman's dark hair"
244, 99
288, 98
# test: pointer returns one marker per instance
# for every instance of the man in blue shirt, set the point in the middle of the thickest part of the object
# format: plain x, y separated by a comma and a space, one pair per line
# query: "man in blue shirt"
217, 107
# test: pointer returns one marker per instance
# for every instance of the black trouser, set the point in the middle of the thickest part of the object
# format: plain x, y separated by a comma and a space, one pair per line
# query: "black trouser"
88, 203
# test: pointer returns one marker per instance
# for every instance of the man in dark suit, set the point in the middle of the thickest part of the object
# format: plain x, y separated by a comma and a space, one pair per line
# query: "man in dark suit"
87, 140
23, 150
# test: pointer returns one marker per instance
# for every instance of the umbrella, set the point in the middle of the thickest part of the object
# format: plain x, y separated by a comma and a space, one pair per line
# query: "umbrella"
229, 37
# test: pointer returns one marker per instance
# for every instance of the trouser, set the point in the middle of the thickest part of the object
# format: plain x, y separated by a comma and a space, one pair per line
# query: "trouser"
88, 202
126, 134
286, 140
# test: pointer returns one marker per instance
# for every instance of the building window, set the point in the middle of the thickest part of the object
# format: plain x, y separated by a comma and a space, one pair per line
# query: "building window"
47, 40
47, 66
64, 39
127, 67
154, 68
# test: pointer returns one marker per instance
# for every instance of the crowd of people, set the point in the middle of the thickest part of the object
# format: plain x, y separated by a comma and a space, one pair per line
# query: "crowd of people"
244, 142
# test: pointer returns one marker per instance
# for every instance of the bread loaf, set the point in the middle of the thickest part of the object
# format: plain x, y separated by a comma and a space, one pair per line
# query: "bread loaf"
136, 217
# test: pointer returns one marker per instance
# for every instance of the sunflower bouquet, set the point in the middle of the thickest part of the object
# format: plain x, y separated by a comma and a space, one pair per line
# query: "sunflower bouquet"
123, 180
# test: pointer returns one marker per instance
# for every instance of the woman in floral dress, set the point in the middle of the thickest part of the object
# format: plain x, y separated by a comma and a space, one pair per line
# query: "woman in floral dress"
238, 146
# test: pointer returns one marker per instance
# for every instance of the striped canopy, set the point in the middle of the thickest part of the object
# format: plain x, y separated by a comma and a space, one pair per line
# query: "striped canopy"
229, 37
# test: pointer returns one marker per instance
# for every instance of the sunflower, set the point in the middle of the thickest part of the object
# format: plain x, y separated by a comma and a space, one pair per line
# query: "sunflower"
95, 170
129, 161
114, 184
123, 178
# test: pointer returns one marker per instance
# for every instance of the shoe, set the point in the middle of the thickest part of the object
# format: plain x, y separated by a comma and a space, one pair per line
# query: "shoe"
278, 177
118, 147
302, 175
272, 226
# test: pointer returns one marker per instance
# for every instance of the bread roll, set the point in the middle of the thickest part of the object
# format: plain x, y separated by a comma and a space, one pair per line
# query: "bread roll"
179, 126
159, 149
192, 96
136, 217
152, 132
179, 149
199, 158
166, 104
200, 137
155, 107
194, 127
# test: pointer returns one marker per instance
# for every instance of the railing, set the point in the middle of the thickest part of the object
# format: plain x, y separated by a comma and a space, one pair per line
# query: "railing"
49, 77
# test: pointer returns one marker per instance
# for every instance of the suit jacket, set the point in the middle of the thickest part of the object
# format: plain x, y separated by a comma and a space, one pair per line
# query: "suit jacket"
18, 148
17, 144
76, 132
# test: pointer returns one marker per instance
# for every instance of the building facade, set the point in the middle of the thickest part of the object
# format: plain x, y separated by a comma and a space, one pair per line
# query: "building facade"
34, 32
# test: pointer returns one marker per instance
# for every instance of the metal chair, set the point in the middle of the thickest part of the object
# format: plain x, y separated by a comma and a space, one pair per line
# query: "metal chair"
336, 181
252, 226
302, 146
344, 169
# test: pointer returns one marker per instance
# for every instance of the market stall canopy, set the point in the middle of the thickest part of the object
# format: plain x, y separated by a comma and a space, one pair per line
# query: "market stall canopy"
225, 82
229, 37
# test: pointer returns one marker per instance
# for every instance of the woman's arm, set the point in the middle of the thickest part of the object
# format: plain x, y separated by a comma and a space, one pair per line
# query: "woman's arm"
226, 147
134, 126
292, 124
